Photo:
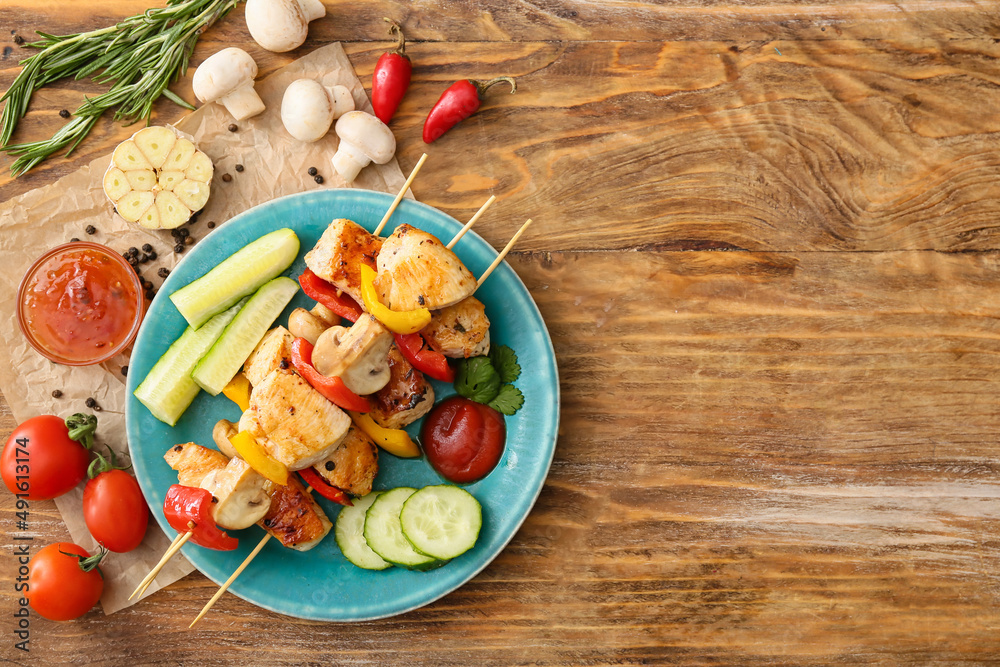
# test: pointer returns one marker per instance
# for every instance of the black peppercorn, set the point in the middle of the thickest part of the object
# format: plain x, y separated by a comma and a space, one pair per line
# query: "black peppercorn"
144, 258
133, 251
318, 179
211, 225
152, 255
239, 167
183, 232
125, 371
90, 402
90, 229
147, 247
226, 178
313, 171
64, 113
283, 363
164, 272
74, 240
133, 261
18, 40
233, 127
56, 393
146, 284
188, 240
179, 247
175, 232
150, 294
330, 465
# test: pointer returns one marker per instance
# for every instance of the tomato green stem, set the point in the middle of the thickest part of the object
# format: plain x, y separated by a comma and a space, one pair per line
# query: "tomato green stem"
101, 465
81, 428
88, 563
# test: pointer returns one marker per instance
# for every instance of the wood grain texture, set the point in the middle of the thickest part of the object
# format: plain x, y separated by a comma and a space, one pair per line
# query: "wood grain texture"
780, 454
764, 458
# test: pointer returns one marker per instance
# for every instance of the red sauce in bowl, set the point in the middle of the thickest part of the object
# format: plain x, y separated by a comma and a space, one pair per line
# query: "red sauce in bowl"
463, 440
80, 304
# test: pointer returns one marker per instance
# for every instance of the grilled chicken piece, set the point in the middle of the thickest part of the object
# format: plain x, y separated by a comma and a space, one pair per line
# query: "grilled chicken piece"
294, 423
461, 330
352, 466
240, 492
294, 517
274, 352
415, 270
406, 398
339, 253
193, 462
356, 355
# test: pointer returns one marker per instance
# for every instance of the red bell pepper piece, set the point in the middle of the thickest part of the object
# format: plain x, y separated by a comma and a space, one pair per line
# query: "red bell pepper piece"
333, 388
324, 488
423, 358
323, 292
189, 509
458, 102
391, 77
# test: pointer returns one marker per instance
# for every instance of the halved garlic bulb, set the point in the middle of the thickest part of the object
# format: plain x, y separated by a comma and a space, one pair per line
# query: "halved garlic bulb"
158, 179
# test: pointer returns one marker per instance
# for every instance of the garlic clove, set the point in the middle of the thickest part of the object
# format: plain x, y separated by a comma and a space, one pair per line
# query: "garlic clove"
115, 184
180, 156
127, 157
200, 168
193, 194
134, 204
155, 143
172, 212
150, 218
141, 179
169, 179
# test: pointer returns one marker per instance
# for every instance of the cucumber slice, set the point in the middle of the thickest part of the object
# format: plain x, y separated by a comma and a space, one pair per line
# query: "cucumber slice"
441, 521
168, 388
385, 536
240, 338
237, 276
350, 534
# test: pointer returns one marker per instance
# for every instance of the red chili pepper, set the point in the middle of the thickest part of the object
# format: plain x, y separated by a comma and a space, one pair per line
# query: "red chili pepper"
391, 77
423, 358
189, 509
324, 488
333, 388
323, 292
457, 103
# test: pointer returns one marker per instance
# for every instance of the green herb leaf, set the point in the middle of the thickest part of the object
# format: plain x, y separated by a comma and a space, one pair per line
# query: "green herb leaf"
508, 401
477, 380
505, 362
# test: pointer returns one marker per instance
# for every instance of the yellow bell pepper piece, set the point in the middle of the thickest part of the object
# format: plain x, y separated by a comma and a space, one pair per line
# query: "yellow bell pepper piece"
401, 322
250, 450
394, 441
238, 391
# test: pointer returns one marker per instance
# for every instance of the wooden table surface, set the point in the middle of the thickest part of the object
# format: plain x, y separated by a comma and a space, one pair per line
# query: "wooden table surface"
766, 250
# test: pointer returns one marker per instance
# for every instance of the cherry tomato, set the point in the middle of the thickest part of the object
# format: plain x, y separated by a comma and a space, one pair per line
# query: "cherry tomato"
59, 588
115, 511
463, 440
40, 461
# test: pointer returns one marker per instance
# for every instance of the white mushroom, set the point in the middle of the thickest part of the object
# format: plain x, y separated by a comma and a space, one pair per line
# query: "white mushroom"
240, 494
227, 78
282, 25
363, 139
308, 109
304, 324
358, 356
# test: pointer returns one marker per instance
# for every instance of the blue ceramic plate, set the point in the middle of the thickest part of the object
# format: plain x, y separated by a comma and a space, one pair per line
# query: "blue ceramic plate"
320, 584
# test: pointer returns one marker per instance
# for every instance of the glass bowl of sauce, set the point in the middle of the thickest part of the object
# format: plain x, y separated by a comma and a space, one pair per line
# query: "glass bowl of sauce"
80, 304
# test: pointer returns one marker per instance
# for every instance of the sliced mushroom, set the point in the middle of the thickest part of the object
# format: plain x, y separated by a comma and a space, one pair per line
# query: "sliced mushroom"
221, 434
241, 499
358, 355
303, 324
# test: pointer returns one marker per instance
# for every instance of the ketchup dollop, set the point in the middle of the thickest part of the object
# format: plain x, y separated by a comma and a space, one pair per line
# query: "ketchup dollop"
463, 440
80, 304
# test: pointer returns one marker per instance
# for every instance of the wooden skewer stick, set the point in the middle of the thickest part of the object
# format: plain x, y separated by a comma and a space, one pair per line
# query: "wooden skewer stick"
231, 579
399, 197
174, 547
503, 253
469, 224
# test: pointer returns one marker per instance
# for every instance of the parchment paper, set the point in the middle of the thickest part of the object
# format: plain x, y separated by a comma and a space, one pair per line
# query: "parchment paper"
274, 165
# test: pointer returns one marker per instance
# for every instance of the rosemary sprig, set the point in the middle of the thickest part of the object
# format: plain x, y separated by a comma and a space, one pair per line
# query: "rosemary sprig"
140, 56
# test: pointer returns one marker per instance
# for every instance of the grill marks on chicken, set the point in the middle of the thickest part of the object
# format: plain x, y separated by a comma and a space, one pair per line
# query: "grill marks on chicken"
338, 255
415, 270
294, 518
460, 331
407, 396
